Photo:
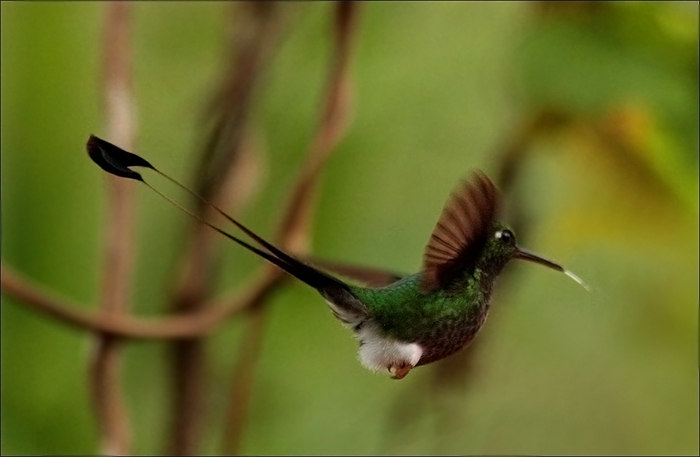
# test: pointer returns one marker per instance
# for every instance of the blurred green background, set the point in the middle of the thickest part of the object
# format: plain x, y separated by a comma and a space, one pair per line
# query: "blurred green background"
439, 89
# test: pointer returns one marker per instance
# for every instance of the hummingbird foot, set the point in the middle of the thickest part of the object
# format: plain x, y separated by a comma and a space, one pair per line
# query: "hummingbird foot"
400, 371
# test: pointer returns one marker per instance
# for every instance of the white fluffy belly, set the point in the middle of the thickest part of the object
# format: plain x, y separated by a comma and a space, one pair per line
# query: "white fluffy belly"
378, 353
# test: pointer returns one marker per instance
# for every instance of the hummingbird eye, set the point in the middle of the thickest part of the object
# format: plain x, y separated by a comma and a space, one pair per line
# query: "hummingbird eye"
505, 236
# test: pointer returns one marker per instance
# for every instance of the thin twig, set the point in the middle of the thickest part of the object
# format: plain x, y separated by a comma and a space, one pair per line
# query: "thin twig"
112, 324
182, 326
185, 326
255, 32
294, 228
225, 177
190, 297
105, 366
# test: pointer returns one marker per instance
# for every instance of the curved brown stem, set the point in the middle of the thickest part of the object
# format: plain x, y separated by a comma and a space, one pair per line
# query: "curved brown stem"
105, 365
127, 327
224, 176
294, 228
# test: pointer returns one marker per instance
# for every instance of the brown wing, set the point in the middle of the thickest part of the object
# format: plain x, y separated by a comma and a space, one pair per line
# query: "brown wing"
368, 276
461, 231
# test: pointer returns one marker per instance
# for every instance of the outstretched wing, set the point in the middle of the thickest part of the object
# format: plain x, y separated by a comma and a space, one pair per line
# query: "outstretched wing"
461, 231
367, 276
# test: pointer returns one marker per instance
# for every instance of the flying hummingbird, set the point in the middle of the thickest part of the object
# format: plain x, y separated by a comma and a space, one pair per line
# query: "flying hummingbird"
401, 322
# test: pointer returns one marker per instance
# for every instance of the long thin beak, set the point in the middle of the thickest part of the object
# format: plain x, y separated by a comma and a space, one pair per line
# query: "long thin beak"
524, 254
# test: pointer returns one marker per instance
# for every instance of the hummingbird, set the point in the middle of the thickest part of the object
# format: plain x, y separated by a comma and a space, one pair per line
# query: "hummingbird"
400, 321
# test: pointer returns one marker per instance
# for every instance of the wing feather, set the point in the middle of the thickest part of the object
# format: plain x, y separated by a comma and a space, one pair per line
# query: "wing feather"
461, 232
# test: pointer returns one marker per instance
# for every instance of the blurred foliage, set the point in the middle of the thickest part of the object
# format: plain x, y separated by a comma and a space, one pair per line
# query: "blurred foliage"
612, 193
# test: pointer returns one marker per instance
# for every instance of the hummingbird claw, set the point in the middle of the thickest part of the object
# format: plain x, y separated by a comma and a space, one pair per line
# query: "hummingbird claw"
400, 371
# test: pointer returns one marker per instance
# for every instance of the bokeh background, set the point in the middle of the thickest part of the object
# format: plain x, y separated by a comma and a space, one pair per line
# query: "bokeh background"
607, 185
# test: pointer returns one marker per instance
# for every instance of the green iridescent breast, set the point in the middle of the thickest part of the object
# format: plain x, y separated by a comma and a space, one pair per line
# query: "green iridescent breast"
408, 314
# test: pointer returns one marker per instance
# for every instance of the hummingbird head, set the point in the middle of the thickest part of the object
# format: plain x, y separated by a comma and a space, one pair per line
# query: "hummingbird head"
501, 247
467, 235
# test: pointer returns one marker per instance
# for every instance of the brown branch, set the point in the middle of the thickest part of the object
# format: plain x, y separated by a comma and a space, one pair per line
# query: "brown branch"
333, 121
105, 366
31, 296
294, 229
255, 32
190, 297
215, 311
225, 176
126, 327
188, 325
112, 325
